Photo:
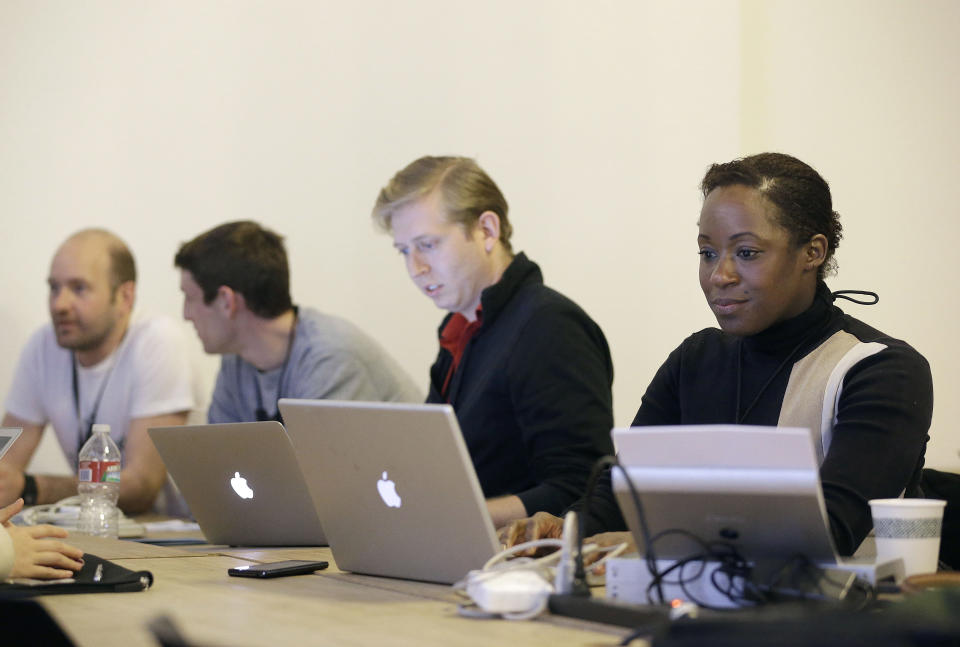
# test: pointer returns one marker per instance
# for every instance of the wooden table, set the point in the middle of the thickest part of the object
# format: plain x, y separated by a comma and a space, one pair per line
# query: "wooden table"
330, 607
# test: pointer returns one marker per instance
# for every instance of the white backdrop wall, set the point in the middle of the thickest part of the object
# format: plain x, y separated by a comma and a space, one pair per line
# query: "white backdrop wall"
159, 120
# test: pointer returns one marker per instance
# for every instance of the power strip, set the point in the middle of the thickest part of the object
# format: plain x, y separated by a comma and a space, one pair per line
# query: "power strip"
628, 580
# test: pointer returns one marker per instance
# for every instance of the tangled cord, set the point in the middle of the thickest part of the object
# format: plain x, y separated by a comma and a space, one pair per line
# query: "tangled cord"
734, 577
544, 566
733, 567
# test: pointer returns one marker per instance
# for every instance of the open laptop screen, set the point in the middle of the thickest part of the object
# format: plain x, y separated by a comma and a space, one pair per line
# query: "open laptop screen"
7, 437
757, 488
395, 487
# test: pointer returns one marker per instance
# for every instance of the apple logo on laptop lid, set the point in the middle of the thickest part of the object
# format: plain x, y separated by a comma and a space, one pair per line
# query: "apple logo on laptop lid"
388, 491
239, 485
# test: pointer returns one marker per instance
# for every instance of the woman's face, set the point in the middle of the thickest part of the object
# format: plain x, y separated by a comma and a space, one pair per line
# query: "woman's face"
751, 273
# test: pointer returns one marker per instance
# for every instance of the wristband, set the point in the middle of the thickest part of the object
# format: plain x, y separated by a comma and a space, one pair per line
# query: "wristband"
29, 494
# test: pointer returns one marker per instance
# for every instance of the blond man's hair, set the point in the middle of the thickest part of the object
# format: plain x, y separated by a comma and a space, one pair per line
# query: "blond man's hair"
465, 190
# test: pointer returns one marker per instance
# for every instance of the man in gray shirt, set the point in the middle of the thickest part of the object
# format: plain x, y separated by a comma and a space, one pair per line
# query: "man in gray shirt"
236, 291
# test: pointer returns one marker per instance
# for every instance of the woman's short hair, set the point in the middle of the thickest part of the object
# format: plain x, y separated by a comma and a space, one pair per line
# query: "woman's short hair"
465, 189
801, 196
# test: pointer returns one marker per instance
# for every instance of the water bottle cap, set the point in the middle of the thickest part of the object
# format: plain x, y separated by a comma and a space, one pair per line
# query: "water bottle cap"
101, 427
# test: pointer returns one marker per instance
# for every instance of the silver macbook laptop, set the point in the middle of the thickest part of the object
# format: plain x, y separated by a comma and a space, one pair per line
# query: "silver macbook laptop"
757, 488
395, 487
242, 482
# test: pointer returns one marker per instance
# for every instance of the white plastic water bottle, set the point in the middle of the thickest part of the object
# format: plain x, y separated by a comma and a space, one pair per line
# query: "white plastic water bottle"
98, 483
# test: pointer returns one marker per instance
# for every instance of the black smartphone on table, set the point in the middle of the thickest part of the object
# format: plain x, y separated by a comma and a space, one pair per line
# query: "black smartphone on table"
278, 569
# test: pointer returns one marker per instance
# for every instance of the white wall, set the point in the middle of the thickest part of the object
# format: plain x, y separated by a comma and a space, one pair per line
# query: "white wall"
160, 120
867, 91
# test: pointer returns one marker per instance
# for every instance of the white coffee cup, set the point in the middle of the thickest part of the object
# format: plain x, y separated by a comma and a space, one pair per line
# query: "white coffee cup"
909, 529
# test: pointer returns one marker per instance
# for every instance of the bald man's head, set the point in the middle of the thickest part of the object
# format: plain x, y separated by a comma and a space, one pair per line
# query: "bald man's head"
122, 266
92, 291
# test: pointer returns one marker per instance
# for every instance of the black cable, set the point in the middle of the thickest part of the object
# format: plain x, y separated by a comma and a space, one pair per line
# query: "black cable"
649, 553
580, 574
844, 294
802, 575
658, 577
734, 567
731, 562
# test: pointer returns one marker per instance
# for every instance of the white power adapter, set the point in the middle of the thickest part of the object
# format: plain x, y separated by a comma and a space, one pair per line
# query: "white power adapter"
509, 591
519, 590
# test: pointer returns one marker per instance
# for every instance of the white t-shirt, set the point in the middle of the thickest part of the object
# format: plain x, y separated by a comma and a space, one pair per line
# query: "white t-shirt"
149, 374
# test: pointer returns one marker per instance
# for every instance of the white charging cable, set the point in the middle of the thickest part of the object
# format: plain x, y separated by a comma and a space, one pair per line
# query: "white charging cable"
519, 589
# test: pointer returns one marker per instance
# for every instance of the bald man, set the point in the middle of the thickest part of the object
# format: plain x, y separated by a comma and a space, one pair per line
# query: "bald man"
96, 363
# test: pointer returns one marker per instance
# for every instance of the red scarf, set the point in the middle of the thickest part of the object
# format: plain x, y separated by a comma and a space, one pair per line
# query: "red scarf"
454, 339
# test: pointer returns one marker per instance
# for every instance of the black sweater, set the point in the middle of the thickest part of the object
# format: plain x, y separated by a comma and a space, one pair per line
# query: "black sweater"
882, 416
531, 392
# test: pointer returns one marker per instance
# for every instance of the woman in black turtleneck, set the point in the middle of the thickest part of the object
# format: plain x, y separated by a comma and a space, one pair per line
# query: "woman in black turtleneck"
767, 234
